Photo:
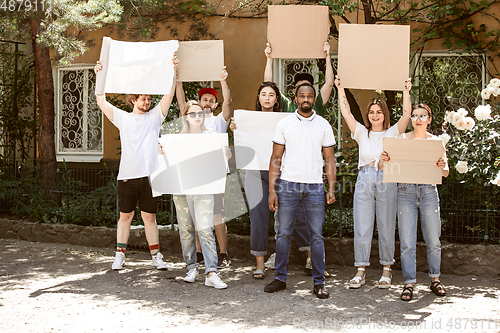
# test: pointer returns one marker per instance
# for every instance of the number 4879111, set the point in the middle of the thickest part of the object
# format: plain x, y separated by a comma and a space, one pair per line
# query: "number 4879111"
25, 5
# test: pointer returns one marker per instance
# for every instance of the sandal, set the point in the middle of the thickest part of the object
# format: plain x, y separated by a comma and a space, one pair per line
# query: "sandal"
258, 274
327, 275
357, 281
385, 279
436, 287
407, 293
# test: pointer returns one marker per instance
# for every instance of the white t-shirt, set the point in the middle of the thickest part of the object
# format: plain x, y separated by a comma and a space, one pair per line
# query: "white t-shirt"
217, 122
139, 142
304, 140
370, 147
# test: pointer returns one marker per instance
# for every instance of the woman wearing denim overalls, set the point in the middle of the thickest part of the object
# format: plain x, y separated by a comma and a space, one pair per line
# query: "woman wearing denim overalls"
423, 198
372, 198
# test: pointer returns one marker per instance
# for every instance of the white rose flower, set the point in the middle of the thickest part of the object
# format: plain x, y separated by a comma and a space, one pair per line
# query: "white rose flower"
449, 116
456, 118
496, 91
485, 93
482, 112
445, 137
462, 111
469, 123
461, 124
496, 181
462, 167
494, 83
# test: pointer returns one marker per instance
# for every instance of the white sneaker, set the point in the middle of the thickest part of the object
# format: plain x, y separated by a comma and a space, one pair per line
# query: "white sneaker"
158, 262
215, 281
270, 262
119, 260
192, 275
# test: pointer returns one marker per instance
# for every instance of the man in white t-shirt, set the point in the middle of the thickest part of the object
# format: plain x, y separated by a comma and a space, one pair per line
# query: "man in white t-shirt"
208, 101
304, 136
139, 131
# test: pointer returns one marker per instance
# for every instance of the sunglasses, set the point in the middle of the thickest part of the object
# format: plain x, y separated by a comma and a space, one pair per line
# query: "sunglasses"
194, 114
422, 117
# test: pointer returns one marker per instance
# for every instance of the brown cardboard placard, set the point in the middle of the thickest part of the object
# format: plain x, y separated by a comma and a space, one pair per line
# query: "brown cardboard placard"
200, 60
374, 56
413, 161
297, 31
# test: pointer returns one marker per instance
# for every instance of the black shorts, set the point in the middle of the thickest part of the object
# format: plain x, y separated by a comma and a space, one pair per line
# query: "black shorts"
218, 203
138, 189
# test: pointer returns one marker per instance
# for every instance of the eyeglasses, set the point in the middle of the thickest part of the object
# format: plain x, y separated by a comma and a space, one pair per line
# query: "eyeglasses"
422, 117
194, 114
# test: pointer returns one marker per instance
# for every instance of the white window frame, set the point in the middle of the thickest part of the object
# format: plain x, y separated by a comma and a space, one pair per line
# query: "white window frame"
80, 155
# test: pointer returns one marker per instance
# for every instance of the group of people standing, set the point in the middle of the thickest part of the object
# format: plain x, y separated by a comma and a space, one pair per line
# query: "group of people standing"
292, 188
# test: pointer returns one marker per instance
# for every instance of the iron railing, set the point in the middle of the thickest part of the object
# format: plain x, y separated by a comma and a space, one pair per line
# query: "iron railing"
470, 212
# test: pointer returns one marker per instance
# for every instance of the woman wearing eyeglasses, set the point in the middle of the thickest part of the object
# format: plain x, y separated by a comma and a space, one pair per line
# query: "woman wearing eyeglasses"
195, 212
372, 197
423, 198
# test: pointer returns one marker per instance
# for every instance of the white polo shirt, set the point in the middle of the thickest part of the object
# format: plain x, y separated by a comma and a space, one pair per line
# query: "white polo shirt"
304, 140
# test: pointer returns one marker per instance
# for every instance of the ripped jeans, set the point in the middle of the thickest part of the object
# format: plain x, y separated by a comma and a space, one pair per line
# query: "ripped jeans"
197, 212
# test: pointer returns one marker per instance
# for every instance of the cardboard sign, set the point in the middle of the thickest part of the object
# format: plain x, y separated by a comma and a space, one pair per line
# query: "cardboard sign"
374, 56
297, 31
253, 138
136, 67
413, 161
200, 60
191, 164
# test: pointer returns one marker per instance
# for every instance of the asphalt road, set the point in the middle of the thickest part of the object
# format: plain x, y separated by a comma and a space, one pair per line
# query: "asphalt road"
64, 288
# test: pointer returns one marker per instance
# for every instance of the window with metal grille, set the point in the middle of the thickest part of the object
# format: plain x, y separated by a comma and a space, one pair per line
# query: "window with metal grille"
79, 120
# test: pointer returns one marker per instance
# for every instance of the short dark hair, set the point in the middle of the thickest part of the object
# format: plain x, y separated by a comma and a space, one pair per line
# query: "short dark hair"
302, 77
305, 85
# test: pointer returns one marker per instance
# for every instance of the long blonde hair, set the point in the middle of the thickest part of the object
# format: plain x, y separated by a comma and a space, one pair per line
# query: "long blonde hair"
185, 124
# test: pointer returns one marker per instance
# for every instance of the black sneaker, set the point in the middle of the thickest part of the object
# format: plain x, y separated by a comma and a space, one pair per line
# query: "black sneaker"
320, 291
199, 257
275, 286
223, 261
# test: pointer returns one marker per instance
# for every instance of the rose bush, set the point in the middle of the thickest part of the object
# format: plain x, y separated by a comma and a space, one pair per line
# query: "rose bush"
473, 145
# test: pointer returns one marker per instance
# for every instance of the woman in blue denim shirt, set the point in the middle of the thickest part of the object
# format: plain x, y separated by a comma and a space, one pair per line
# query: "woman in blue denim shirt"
423, 198
372, 197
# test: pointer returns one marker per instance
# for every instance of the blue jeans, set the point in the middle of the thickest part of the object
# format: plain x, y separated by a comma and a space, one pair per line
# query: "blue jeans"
257, 193
200, 209
312, 198
413, 198
373, 198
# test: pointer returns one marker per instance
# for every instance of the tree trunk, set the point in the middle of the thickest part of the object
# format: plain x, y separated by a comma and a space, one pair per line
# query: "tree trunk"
46, 113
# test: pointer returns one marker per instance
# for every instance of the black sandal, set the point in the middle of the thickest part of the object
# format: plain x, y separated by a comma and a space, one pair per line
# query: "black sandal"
407, 291
436, 287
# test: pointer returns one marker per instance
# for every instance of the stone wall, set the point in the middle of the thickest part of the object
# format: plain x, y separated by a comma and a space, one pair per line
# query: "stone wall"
457, 259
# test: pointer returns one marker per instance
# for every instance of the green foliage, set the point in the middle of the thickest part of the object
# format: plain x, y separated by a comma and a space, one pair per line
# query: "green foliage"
143, 19
17, 121
63, 24
73, 202
473, 145
339, 7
